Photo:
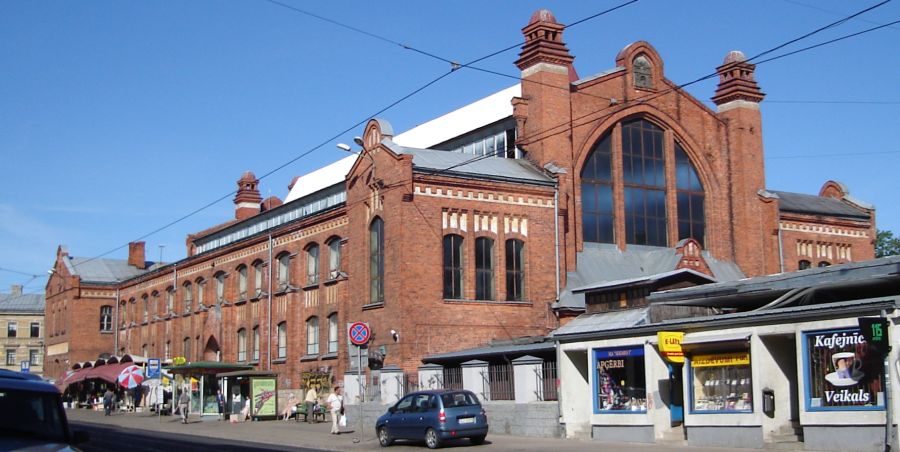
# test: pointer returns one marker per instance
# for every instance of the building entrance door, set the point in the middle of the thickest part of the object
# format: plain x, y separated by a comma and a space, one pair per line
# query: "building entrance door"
676, 394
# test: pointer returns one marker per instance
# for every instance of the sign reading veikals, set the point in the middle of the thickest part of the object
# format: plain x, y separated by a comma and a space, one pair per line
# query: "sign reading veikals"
843, 370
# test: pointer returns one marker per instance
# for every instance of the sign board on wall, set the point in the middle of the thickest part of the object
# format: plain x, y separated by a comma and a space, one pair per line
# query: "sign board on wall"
670, 346
842, 371
263, 393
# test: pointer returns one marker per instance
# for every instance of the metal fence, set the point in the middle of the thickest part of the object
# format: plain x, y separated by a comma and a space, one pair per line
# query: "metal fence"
453, 378
501, 382
547, 381
409, 383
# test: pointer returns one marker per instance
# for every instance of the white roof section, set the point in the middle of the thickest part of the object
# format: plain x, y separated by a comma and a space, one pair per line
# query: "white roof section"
321, 178
480, 113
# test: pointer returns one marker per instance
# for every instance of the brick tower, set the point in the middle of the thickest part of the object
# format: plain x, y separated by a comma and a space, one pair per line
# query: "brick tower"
247, 199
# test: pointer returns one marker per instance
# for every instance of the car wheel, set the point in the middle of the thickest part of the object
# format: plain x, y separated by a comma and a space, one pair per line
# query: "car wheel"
384, 437
477, 439
432, 440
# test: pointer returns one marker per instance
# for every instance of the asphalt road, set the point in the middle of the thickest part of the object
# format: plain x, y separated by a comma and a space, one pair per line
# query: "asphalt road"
107, 438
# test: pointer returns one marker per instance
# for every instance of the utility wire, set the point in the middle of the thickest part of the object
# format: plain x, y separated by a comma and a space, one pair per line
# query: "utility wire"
842, 154
19, 272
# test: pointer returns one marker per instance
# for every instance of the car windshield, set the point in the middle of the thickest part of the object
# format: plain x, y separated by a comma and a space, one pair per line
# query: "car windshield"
455, 399
31, 414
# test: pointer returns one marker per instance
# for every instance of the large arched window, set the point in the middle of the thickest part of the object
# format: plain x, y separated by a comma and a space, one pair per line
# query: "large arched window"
484, 268
515, 270
312, 264
642, 187
453, 268
376, 261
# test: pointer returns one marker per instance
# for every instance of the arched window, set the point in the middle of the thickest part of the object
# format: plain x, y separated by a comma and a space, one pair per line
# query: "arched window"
691, 215
598, 214
643, 187
186, 348
258, 270
312, 336
376, 261
804, 264
334, 257
154, 305
167, 350
484, 268
643, 75
453, 268
284, 270
256, 343
170, 300
220, 287
123, 314
824, 264
515, 270
144, 350
333, 333
242, 282
312, 264
201, 289
242, 345
106, 319
188, 295
145, 303
644, 175
282, 340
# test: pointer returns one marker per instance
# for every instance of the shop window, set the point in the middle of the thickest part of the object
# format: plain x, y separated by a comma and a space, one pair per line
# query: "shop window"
804, 264
619, 380
841, 372
515, 270
721, 383
312, 264
484, 268
242, 282
453, 270
333, 333
376, 261
105, 319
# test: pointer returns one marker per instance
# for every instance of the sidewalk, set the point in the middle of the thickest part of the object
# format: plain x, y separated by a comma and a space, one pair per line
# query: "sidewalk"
317, 436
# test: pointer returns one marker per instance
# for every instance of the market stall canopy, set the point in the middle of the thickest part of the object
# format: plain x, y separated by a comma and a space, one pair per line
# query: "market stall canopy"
207, 367
248, 373
109, 372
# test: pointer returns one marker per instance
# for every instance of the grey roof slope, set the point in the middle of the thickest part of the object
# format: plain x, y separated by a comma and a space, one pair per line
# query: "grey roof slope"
817, 205
492, 350
602, 262
25, 303
104, 270
465, 165
605, 321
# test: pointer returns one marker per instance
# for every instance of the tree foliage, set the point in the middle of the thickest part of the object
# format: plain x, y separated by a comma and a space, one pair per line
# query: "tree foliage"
886, 244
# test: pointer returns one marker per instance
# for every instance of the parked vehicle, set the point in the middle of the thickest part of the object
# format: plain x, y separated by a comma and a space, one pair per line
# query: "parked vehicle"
32, 415
434, 416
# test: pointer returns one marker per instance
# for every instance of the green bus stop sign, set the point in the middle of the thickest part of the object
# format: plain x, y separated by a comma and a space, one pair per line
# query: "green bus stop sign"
875, 331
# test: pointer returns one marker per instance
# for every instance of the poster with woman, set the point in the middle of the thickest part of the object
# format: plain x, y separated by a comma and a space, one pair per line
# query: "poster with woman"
841, 371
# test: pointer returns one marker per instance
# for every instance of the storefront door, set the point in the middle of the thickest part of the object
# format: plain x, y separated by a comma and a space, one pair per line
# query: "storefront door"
676, 394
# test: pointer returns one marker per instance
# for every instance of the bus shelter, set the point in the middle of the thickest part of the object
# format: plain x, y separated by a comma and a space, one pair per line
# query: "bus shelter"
200, 378
250, 393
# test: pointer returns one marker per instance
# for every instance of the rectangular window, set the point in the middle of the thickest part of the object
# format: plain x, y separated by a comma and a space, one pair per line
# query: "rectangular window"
242, 345
619, 380
34, 357
256, 344
721, 382
105, 319
841, 372
35, 329
376, 261
282, 340
312, 336
10, 357
11, 328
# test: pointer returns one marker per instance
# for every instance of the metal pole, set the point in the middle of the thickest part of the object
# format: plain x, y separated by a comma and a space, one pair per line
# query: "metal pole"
889, 417
362, 394
269, 324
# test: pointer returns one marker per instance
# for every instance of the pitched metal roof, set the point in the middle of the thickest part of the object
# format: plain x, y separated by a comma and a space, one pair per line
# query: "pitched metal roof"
606, 321
643, 279
601, 263
22, 303
493, 351
104, 270
817, 205
467, 165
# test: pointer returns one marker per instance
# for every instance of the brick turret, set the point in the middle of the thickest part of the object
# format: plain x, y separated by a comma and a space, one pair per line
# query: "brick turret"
247, 200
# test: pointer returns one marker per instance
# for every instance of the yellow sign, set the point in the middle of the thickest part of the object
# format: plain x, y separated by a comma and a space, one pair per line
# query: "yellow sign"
670, 346
179, 360
721, 359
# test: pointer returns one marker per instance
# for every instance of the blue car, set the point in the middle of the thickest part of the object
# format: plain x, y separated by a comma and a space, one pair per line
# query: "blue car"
434, 416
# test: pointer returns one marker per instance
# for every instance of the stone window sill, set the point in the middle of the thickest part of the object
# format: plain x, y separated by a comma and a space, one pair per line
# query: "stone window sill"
309, 358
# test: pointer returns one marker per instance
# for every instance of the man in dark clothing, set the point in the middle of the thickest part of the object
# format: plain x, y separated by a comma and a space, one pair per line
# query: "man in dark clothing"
108, 401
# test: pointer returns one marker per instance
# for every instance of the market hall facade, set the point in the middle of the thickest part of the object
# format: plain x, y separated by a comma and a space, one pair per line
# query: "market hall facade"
480, 225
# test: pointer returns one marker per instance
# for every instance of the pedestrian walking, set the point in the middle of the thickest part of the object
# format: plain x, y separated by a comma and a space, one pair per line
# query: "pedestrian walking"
220, 400
184, 404
311, 398
335, 403
108, 401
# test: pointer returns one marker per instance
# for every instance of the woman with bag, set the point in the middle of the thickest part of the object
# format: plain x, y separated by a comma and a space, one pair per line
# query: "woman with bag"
335, 403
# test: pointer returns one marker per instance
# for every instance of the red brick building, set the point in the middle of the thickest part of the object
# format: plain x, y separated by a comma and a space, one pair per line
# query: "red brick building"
473, 227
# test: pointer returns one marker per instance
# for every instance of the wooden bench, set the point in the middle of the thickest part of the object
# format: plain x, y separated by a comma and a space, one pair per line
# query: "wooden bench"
318, 415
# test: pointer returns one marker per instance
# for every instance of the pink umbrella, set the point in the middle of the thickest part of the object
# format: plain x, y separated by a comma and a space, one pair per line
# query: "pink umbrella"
131, 376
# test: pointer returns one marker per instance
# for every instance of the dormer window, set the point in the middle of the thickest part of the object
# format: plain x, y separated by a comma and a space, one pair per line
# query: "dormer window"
643, 75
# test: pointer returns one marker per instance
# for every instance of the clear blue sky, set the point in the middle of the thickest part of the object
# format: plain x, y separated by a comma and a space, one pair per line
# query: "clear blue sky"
119, 117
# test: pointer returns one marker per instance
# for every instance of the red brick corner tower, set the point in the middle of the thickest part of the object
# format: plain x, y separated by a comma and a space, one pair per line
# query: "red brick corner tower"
738, 97
247, 199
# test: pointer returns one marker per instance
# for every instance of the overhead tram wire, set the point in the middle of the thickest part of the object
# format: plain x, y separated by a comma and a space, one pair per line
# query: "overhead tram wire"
454, 67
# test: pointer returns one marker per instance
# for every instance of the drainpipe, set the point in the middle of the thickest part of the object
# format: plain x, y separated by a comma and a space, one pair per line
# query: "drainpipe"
116, 325
269, 324
888, 411
556, 233
780, 245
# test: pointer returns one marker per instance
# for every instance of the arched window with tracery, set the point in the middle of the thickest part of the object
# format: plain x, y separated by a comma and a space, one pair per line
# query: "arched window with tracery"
691, 212
644, 177
598, 214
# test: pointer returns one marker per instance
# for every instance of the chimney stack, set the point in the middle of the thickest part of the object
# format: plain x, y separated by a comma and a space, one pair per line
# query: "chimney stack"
247, 199
15, 290
136, 255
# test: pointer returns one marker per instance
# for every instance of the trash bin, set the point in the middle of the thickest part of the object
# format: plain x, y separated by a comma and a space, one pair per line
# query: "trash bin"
768, 402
